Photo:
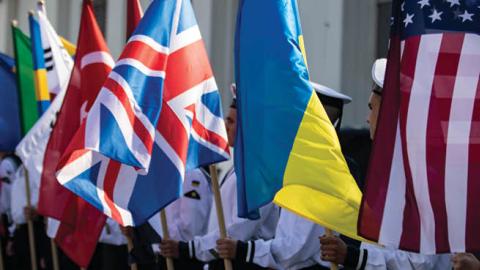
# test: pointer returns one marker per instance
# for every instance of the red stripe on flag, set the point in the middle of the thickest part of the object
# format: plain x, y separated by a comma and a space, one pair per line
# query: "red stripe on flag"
193, 65
375, 191
437, 132
472, 235
110, 180
145, 54
138, 127
410, 239
209, 136
174, 133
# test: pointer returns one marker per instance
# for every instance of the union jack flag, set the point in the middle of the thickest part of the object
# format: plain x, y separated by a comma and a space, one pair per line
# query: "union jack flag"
423, 185
118, 161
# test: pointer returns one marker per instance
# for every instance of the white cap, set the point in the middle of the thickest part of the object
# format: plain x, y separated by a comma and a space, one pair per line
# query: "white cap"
8, 167
378, 71
329, 92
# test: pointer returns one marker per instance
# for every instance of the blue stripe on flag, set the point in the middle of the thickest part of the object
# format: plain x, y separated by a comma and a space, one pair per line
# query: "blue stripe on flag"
187, 17
111, 137
149, 101
213, 102
82, 185
200, 155
152, 193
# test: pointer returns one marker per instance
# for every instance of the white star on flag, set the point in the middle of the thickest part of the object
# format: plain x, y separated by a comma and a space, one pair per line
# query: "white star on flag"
466, 16
408, 19
453, 2
423, 3
435, 15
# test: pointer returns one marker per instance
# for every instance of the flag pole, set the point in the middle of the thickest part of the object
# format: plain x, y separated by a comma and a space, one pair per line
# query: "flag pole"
31, 235
166, 236
329, 232
219, 207
53, 247
133, 266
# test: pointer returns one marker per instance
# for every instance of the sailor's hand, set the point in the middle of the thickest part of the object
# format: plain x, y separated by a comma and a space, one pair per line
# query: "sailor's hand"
465, 261
333, 249
127, 231
227, 248
30, 213
169, 249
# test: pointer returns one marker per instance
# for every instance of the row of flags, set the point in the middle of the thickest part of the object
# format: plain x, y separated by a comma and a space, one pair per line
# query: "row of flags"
118, 136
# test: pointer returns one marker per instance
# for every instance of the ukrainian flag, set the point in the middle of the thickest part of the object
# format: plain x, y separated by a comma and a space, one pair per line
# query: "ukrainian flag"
41, 85
286, 148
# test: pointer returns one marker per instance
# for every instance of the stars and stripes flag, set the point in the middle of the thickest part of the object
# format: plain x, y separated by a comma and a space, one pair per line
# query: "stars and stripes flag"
157, 115
423, 184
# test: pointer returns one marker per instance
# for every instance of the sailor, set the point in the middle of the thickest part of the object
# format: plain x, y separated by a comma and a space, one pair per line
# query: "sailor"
112, 246
21, 213
203, 247
295, 245
369, 256
187, 217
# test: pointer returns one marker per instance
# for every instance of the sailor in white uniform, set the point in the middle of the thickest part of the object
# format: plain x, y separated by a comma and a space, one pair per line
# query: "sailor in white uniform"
20, 213
203, 247
369, 256
187, 217
295, 245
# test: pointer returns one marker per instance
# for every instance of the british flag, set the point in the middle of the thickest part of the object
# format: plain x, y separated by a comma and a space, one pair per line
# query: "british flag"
158, 114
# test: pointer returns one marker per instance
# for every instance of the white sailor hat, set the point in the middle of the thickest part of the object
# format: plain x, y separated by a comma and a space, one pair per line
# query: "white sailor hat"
8, 167
329, 92
378, 71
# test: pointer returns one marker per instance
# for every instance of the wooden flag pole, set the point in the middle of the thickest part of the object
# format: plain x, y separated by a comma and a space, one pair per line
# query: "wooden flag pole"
166, 236
133, 266
333, 266
31, 235
53, 246
219, 207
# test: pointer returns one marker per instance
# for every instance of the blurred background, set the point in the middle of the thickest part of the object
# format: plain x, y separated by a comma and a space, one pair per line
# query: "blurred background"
342, 37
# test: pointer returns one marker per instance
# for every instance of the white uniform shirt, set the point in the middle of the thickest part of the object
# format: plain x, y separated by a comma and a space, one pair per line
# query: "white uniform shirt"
19, 198
387, 258
237, 228
295, 246
187, 217
111, 234
5, 198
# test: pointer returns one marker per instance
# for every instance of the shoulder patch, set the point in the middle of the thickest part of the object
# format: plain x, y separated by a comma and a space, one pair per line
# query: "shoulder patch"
195, 183
192, 195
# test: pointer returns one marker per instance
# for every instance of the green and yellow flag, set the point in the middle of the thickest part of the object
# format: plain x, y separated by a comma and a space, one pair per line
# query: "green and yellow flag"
25, 78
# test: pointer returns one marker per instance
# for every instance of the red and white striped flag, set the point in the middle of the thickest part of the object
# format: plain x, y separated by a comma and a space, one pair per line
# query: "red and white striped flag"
423, 186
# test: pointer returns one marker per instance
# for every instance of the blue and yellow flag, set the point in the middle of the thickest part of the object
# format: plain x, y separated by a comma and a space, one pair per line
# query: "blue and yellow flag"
41, 85
286, 148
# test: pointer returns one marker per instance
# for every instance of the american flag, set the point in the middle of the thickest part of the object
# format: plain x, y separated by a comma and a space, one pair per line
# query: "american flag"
423, 185
158, 114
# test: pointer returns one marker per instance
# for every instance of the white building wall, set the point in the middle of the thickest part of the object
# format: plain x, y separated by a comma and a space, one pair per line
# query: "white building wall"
340, 39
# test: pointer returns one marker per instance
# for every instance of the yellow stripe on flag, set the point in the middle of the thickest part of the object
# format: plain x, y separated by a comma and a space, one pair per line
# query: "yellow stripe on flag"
317, 182
68, 46
41, 87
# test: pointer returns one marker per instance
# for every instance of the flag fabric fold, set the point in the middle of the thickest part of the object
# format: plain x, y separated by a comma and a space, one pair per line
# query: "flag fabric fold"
31, 149
422, 185
81, 224
160, 106
286, 148
40, 73
134, 15
25, 79
9, 106
57, 53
